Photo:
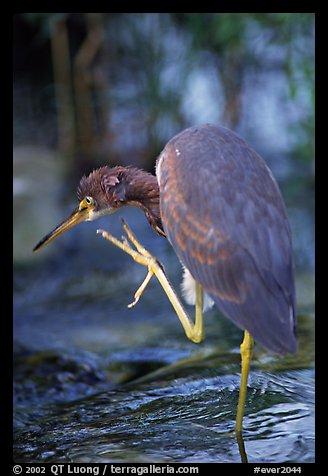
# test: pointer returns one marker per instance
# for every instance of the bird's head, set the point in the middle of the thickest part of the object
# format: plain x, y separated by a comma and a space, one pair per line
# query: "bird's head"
107, 189
100, 193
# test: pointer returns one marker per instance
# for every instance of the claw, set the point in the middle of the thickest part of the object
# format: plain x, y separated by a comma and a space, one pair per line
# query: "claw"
141, 288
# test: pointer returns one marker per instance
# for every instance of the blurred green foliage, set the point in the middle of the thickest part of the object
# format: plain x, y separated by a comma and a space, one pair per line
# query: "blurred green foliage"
233, 40
135, 79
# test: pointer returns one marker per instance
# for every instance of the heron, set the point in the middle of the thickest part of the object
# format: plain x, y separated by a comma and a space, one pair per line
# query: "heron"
216, 201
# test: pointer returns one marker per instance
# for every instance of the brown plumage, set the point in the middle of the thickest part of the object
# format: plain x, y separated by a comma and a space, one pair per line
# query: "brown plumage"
120, 186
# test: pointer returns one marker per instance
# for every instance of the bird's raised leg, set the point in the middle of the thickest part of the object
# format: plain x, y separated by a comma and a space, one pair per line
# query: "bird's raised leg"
194, 330
246, 350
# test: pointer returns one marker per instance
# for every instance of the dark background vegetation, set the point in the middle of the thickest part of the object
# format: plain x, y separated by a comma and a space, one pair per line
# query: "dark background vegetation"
114, 87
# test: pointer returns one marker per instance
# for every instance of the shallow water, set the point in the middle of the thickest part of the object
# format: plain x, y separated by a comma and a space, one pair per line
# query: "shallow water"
188, 419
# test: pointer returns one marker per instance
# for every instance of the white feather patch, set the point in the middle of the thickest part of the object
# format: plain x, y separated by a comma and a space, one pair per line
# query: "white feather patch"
189, 292
158, 167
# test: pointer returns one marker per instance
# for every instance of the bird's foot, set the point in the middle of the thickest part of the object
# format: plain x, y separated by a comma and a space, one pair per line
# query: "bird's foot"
131, 246
142, 287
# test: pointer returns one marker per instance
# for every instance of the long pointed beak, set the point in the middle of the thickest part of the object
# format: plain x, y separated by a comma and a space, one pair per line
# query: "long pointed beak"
78, 216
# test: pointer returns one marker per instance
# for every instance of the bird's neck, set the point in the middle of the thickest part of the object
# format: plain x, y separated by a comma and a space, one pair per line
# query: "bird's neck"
143, 192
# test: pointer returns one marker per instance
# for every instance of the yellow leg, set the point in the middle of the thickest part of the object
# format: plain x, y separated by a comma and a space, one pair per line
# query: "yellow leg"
194, 331
246, 349
199, 321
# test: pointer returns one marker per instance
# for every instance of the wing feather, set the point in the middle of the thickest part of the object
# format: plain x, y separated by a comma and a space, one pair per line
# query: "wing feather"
224, 215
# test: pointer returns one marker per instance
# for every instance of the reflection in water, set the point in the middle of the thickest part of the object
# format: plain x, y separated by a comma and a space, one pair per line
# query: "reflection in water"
241, 446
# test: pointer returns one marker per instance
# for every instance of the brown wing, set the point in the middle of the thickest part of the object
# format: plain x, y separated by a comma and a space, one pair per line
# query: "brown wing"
224, 216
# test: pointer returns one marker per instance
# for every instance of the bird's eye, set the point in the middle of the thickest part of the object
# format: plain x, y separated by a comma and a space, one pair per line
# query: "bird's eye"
89, 200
